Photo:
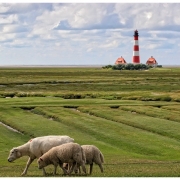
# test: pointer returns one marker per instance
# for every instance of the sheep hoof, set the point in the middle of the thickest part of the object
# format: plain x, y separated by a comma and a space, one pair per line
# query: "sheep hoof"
23, 174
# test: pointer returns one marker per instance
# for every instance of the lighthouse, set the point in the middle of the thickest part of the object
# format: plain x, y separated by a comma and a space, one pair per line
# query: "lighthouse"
136, 58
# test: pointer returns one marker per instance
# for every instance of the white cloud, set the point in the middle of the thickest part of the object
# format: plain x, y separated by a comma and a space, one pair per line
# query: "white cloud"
152, 46
110, 44
13, 28
4, 8
9, 19
7, 37
148, 15
77, 15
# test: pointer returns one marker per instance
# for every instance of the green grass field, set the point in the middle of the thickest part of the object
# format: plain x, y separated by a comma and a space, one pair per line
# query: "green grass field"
133, 117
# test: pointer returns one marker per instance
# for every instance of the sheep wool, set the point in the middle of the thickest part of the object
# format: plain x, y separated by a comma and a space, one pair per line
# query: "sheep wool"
93, 154
65, 153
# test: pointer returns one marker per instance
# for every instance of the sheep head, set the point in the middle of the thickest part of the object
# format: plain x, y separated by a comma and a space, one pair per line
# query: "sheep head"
14, 154
41, 163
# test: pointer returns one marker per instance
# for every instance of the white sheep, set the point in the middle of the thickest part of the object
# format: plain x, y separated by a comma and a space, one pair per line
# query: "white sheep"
37, 147
93, 154
65, 153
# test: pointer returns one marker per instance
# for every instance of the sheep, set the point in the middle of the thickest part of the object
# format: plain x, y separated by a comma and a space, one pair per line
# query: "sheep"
65, 153
93, 154
36, 147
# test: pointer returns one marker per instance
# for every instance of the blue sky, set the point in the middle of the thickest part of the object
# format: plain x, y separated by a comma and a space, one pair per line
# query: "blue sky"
87, 33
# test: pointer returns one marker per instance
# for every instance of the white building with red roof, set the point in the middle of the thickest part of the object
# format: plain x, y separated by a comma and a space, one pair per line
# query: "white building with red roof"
152, 61
120, 60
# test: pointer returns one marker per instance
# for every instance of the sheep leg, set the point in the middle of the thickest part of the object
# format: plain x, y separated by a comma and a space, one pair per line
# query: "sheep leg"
55, 168
79, 170
81, 163
91, 167
68, 166
64, 170
27, 166
72, 168
44, 172
76, 168
83, 167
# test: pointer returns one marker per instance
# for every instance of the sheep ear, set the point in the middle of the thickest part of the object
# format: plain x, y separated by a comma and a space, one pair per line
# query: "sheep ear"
17, 152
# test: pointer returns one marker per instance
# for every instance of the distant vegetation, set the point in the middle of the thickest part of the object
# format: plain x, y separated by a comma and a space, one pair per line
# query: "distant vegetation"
129, 67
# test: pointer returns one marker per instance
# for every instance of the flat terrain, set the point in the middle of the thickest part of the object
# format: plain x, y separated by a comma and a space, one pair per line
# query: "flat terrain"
133, 117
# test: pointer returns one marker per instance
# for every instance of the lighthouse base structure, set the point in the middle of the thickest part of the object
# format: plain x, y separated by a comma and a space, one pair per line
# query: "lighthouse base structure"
136, 60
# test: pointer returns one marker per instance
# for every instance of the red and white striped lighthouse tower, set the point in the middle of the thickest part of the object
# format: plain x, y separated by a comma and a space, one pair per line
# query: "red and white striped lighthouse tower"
136, 58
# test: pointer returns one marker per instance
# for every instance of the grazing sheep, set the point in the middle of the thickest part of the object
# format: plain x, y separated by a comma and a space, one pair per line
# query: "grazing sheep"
65, 153
93, 154
37, 147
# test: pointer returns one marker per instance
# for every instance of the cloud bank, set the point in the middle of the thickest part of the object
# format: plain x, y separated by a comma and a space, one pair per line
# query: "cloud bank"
87, 33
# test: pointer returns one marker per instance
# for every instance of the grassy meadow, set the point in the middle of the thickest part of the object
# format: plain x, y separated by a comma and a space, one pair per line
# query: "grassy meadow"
133, 117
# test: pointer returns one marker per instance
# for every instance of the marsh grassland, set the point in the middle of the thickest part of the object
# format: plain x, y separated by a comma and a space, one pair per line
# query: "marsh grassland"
133, 117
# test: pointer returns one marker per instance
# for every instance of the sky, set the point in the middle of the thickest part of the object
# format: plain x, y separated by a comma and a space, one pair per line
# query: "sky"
61, 33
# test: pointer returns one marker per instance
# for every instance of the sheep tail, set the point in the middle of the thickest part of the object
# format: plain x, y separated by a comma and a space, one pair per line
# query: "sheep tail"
101, 157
